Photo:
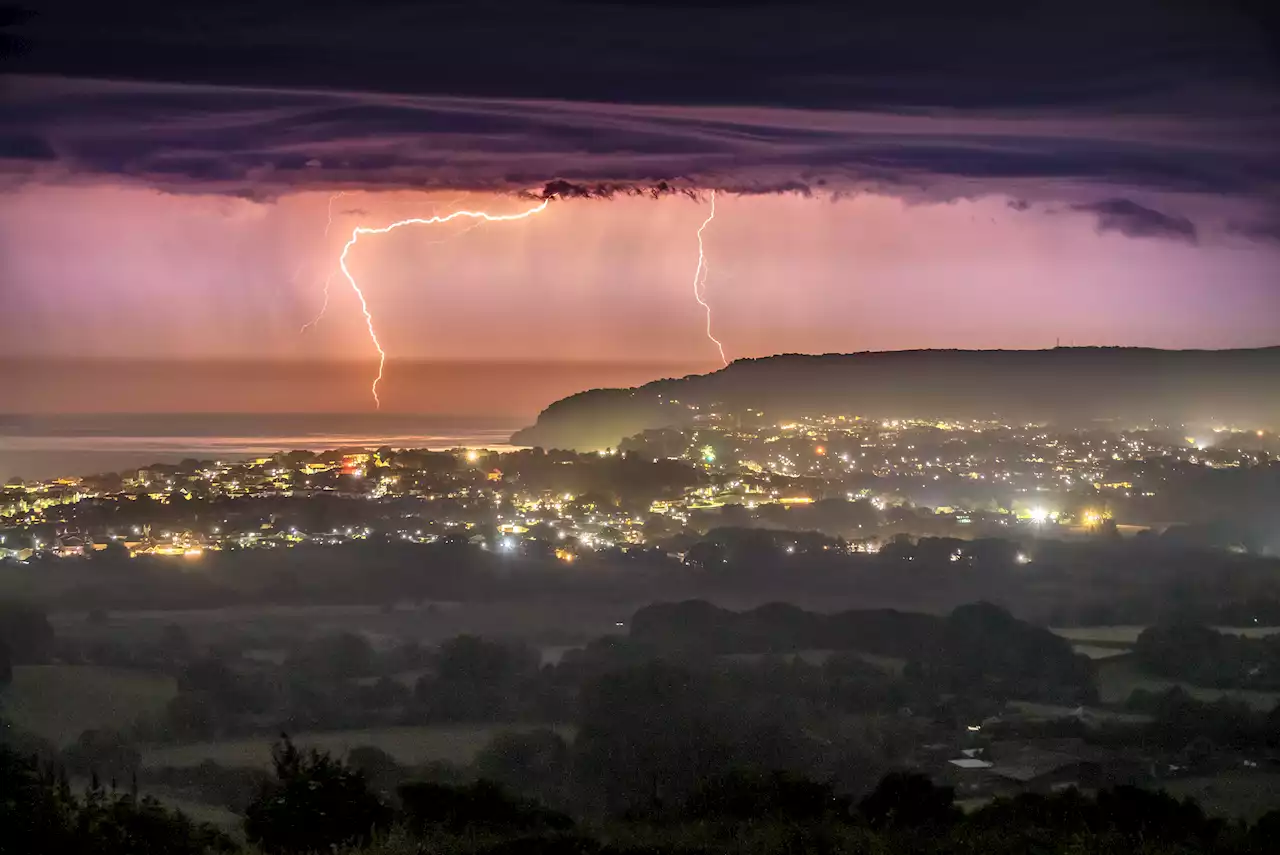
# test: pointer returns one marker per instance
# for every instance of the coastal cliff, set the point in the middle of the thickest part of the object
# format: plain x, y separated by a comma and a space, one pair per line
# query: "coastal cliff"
1073, 385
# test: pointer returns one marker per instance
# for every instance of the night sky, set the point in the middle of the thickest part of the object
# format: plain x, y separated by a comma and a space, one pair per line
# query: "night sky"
933, 175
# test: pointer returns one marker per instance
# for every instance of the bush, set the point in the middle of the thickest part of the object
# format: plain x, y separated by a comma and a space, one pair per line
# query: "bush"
314, 804
40, 814
482, 806
909, 800
103, 753
744, 796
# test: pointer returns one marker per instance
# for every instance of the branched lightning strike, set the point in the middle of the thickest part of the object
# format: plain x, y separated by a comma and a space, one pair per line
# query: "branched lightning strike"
481, 216
700, 278
328, 280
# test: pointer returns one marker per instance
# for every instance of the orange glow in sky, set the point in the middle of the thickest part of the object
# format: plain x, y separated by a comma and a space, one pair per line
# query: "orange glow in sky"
114, 271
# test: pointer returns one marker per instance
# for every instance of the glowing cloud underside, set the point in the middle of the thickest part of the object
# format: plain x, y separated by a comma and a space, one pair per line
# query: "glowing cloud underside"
700, 278
480, 216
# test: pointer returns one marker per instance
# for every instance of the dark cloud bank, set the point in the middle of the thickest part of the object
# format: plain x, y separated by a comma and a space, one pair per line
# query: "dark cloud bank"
1154, 117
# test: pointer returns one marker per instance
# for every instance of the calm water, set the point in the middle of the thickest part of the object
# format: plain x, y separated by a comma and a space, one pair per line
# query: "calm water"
42, 446
297, 398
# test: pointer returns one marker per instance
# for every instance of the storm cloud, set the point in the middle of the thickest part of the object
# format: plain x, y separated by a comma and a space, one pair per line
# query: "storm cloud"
1129, 218
1159, 123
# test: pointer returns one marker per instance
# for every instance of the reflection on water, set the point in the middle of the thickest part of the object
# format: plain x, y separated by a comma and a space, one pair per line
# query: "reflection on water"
45, 446
246, 409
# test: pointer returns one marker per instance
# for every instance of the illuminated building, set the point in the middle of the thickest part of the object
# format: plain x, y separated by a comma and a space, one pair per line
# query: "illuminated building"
71, 546
354, 464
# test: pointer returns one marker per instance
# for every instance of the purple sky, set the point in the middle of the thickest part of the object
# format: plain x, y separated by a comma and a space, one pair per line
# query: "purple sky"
930, 175
104, 270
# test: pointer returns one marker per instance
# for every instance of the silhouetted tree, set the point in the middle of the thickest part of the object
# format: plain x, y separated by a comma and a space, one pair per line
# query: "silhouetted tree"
104, 753
534, 764
315, 803
26, 631
482, 806
777, 795
909, 800
40, 813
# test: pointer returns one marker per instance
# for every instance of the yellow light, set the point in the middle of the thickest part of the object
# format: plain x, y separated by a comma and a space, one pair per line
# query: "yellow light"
472, 456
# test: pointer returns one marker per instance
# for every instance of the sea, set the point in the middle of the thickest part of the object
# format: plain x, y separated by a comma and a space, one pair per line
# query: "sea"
49, 446
88, 416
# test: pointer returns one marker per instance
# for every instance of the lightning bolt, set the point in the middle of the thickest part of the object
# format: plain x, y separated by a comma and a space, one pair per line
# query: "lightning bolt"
324, 307
328, 280
479, 216
700, 278
329, 222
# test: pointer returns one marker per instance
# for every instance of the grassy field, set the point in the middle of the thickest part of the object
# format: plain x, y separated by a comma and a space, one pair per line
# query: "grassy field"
1051, 712
1103, 635
59, 702
888, 664
1246, 794
1107, 636
1118, 677
1095, 652
409, 745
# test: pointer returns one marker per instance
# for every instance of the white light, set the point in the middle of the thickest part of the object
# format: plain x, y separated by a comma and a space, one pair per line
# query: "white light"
1039, 515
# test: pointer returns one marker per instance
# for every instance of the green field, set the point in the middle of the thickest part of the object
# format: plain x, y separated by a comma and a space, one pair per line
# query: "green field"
409, 745
1118, 677
59, 702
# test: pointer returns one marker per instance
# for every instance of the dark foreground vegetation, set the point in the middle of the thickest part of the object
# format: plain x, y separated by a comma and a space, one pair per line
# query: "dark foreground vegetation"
698, 730
315, 803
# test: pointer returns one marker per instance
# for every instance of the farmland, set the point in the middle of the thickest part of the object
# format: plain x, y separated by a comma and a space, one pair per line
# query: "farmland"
1126, 635
408, 745
59, 702
1119, 677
